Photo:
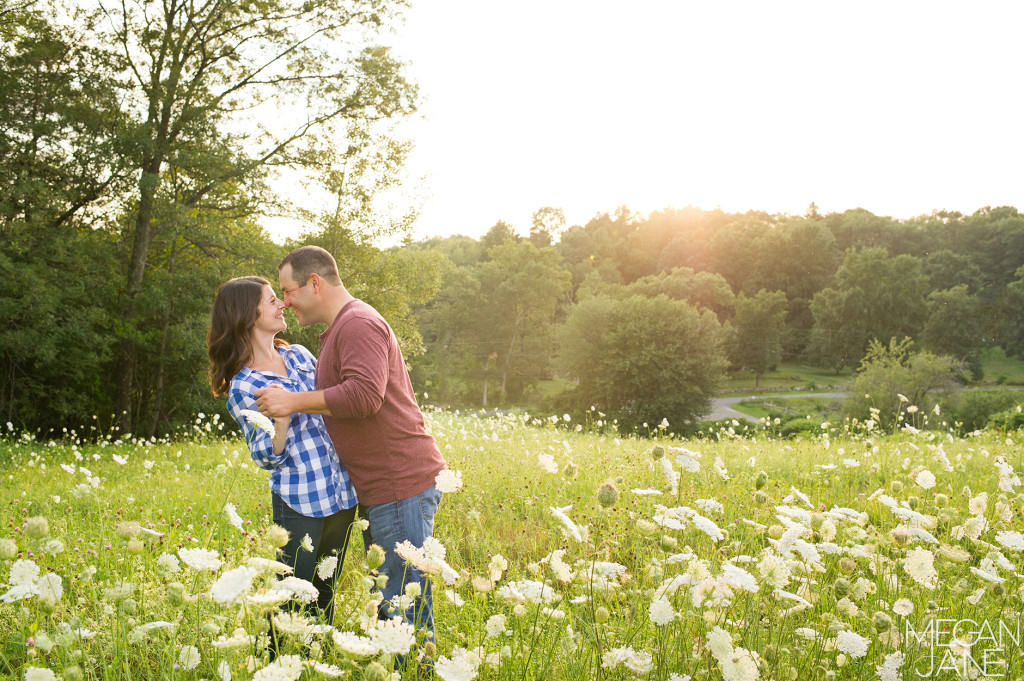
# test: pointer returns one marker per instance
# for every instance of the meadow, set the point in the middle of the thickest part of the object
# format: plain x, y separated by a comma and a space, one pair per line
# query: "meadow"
569, 552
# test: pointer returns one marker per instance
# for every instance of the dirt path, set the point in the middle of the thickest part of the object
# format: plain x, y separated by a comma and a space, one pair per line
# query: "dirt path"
721, 407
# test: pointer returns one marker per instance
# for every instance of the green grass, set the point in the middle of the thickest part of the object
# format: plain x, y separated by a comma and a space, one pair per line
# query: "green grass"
674, 546
788, 407
1000, 369
787, 377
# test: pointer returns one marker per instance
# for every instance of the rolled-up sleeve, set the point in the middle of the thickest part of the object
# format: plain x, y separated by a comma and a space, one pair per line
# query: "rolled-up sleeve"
261, 446
362, 370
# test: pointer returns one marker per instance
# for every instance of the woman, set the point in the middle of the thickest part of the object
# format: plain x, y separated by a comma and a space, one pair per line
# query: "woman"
310, 489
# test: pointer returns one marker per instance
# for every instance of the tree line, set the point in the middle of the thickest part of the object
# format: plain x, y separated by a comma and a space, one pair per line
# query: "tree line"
643, 314
141, 144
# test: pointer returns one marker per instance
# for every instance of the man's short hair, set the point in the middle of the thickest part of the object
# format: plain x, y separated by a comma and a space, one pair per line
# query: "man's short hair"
309, 260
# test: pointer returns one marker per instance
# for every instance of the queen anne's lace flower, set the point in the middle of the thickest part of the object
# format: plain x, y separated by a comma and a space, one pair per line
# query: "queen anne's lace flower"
284, 668
200, 559
462, 666
661, 611
920, 565
239, 639
23, 573
394, 636
903, 607
890, 669
233, 584
300, 589
1011, 540
354, 645
259, 420
189, 658
852, 644
448, 481
925, 479
571, 529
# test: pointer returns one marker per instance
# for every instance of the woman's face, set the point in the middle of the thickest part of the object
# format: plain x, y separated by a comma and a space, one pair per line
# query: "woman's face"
271, 312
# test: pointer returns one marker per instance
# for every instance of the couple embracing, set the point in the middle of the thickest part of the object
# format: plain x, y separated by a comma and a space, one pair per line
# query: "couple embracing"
348, 432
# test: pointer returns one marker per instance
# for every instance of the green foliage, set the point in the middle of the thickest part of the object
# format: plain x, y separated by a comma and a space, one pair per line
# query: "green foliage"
643, 359
135, 151
1007, 421
756, 339
875, 297
975, 408
894, 382
955, 327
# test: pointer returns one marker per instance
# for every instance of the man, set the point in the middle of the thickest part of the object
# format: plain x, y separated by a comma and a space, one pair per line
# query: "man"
367, 400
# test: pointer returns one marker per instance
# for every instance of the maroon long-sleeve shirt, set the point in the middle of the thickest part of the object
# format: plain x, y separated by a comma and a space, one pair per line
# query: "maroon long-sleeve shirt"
375, 424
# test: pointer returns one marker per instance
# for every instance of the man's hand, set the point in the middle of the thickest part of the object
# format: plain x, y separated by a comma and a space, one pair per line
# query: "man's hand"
274, 401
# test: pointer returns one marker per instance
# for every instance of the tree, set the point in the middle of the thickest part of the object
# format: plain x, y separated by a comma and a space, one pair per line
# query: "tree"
955, 327
946, 270
642, 360
546, 226
206, 81
895, 381
756, 341
800, 257
705, 290
521, 287
59, 156
1010, 308
499, 233
733, 250
875, 296
449, 324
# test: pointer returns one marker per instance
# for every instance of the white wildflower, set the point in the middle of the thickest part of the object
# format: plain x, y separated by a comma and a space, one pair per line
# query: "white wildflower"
233, 584
259, 420
448, 481
200, 559
232, 513
661, 611
852, 644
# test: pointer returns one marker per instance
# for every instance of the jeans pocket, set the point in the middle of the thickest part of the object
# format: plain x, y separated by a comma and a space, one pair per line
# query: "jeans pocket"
429, 502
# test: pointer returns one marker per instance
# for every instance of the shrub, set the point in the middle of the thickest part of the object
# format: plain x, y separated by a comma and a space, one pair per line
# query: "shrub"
975, 408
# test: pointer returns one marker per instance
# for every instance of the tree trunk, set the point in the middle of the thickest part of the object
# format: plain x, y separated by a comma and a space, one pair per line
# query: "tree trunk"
161, 360
126, 355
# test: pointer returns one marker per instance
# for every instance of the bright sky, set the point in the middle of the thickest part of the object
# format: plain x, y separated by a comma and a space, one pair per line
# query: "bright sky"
585, 105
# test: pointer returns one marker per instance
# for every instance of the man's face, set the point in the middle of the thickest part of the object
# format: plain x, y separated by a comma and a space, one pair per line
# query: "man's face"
298, 296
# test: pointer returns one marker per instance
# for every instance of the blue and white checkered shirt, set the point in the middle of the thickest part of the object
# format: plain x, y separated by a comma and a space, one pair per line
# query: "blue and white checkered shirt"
307, 475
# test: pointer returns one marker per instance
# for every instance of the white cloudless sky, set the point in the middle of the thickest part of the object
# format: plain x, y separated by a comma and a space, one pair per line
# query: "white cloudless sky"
898, 107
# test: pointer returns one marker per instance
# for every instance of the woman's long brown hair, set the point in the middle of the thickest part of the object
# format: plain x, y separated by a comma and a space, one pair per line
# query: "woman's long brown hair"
229, 343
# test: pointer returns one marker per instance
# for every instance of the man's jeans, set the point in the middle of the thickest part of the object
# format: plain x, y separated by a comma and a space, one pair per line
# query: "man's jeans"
392, 523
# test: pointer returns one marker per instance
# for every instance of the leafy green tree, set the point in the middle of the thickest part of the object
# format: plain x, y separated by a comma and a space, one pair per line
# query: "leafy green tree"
875, 296
946, 270
546, 226
733, 250
756, 340
499, 233
450, 326
706, 290
58, 157
799, 257
994, 240
1009, 330
955, 327
642, 360
207, 80
894, 384
521, 287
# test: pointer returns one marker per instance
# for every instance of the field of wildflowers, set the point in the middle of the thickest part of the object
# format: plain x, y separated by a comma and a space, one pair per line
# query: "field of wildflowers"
563, 553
